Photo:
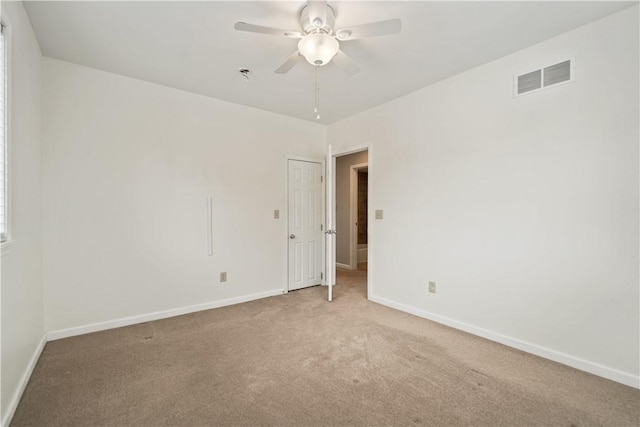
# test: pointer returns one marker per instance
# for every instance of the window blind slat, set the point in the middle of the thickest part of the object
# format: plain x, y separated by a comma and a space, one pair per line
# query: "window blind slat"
3, 139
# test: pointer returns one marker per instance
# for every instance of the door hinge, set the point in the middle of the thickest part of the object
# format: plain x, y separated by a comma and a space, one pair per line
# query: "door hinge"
321, 227
321, 276
321, 178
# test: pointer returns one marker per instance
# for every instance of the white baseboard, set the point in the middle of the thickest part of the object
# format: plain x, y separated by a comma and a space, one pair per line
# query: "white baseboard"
343, 266
556, 356
126, 321
15, 399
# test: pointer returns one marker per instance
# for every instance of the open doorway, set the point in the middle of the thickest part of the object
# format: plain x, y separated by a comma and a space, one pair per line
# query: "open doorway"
359, 210
351, 221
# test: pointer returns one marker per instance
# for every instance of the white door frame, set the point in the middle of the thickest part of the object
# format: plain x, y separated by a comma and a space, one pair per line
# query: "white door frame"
330, 249
353, 214
343, 152
285, 216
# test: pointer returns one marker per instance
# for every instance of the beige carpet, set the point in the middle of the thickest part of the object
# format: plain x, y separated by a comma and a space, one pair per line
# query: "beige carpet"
298, 360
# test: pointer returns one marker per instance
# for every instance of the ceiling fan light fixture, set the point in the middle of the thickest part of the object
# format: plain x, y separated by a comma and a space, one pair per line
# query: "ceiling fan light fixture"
343, 34
318, 49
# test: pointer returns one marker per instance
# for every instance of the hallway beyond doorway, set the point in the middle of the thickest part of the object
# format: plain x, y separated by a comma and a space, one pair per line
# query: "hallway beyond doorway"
351, 282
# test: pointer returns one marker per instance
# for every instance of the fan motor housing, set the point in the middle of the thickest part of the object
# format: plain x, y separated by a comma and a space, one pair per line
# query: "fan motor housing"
308, 26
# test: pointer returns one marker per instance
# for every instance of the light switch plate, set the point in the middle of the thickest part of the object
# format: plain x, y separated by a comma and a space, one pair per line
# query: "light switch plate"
379, 214
432, 287
223, 276
276, 214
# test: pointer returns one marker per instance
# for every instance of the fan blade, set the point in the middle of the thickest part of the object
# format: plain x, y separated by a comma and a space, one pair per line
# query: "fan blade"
289, 63
345, 63
251, 28
374, 29
317, 11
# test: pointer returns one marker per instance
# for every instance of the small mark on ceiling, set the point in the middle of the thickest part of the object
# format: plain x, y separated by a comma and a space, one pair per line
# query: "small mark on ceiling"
245, 72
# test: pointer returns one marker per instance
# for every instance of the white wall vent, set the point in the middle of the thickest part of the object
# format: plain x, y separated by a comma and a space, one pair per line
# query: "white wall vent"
552, 75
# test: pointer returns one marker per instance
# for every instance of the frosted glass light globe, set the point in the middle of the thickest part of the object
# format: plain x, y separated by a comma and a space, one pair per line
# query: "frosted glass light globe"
318, 49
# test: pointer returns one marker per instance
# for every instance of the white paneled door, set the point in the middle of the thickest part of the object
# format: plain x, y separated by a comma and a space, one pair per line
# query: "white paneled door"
305, 224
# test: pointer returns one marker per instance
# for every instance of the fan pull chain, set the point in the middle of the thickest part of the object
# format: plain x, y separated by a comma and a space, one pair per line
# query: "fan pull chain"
317, 96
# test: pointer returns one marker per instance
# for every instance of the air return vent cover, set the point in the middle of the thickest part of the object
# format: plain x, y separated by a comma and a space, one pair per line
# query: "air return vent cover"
530, 81
562, 72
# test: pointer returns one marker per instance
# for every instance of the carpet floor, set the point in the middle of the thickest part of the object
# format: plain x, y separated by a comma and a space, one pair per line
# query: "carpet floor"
297, 360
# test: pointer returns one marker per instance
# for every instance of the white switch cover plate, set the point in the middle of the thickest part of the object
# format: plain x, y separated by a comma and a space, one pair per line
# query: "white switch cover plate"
379, 214
432, 287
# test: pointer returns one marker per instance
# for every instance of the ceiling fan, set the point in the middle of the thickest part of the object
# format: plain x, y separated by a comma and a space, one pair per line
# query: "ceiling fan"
319, 42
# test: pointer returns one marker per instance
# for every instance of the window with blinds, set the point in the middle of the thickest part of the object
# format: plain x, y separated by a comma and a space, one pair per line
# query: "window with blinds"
4, 232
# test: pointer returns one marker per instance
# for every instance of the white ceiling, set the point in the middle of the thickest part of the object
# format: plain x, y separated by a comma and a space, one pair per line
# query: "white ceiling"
193, 46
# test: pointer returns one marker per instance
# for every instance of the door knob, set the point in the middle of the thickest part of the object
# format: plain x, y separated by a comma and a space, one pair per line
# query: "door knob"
292, 236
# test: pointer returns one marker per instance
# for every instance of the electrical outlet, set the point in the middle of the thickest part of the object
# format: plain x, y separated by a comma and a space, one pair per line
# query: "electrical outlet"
276, 214
432, 287
223, 276
379, 214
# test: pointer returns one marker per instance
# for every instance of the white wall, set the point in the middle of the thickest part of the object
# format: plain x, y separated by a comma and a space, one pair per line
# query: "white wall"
128, 167
22, 307
523, 210
343, 203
